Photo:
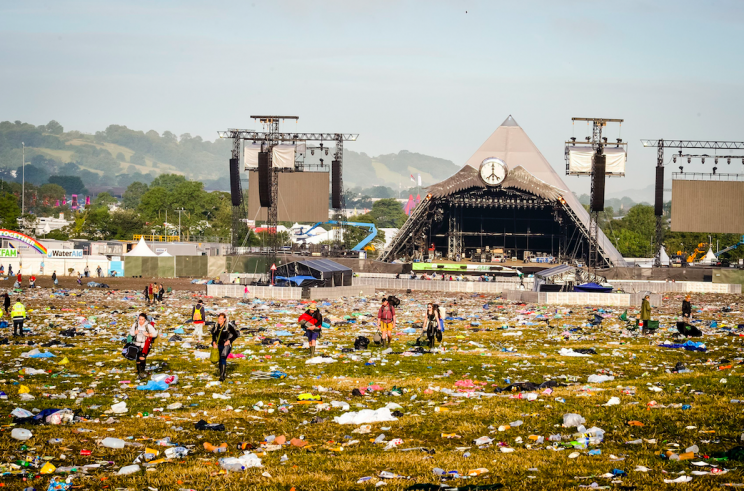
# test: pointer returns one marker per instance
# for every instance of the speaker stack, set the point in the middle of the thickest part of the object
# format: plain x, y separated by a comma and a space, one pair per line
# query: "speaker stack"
659, 192
598, 182
264, 179
336, 185
235, 194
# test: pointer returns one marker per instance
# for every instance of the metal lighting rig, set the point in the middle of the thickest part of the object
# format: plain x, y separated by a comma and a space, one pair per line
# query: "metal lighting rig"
596, 202
659, 199
269, 138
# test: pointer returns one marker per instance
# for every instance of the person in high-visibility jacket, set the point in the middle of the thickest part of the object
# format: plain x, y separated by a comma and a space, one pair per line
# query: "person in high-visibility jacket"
18, 314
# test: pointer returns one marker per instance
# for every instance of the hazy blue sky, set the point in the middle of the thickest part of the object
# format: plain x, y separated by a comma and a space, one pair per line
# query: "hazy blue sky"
422, 76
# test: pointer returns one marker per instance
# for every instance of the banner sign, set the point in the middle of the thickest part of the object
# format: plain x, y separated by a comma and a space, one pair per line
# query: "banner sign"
8, 252
65, 253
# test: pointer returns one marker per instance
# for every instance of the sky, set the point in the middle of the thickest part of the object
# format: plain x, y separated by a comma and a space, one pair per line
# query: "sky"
426, 76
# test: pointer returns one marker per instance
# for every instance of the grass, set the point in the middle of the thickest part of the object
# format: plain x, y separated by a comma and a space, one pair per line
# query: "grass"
635, 361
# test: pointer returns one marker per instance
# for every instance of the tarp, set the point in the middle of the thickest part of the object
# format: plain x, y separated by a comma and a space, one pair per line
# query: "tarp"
141, 250
592, 288
296, 280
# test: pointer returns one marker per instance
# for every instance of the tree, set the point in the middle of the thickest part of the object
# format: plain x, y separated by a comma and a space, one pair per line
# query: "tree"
71, 184
632, 244
120, 157
54, 128
133, 195
9, 211
153, 202
169, 181
137, 158
51, 191
388, 213
125, 223
105, 199
33, 174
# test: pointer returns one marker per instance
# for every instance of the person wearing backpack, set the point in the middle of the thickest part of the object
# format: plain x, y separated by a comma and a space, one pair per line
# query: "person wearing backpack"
386, 321
143, 333
198, 316
223, 335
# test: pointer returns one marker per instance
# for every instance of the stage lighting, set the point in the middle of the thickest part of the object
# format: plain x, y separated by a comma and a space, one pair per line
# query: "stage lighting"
321, 161
728, 160
588, 138
312, 152
714, 169
619, 140
573, 139
689, 160
604, 138
715, 161
702, 160
326, 151
674, 159
681, 169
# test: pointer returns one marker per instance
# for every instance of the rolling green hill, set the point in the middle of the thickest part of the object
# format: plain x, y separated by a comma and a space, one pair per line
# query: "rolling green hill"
118, 156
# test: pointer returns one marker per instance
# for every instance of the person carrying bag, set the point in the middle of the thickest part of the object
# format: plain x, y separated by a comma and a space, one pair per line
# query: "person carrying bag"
223, 336
143, 333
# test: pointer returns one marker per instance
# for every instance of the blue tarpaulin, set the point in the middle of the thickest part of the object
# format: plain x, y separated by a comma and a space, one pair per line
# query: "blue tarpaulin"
592, 288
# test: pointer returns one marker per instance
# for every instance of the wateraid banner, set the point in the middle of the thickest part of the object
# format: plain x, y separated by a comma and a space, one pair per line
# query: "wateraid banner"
65, 253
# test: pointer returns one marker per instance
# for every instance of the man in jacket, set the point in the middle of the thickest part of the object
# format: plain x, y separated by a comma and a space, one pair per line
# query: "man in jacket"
18, 314
386, 321
198, 316
6, 302
645, 311
686, 309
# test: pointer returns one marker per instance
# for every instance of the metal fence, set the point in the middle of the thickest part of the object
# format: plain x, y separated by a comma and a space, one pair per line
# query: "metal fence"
445, 286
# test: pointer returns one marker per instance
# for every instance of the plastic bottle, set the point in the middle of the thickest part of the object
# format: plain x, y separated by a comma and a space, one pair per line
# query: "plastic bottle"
514, 424
692, 449
21, 434
441, 409
109, 442
231, 464
129, 469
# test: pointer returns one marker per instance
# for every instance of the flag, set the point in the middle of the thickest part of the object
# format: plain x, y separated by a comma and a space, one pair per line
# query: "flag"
412, 179
419, 180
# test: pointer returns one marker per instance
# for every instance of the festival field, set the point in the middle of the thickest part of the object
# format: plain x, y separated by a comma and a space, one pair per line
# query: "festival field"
442, 409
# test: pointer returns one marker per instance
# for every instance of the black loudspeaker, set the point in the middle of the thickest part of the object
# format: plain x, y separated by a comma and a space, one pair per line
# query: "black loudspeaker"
336, 184
264, 180
599, 168
235, 194
659, 192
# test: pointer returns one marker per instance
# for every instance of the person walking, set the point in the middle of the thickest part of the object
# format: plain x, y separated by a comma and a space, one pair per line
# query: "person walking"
32, 281
223, 335
386, 321
312, 322
86, 271
99, 271
146, 292
18, 314
161, 292
686, 309
6, 302
198, 316
143, 333
10, 270
54, 278
645, 311
431, 324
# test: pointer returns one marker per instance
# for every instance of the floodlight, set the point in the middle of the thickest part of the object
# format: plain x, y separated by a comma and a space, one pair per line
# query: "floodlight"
702, 160
714, 169
689, 160
674, 159
681, 169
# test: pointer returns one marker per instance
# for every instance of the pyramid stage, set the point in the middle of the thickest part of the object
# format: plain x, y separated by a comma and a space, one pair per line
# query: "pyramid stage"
506, 203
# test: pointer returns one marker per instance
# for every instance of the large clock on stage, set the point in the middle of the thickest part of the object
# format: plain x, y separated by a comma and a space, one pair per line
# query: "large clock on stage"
493, 171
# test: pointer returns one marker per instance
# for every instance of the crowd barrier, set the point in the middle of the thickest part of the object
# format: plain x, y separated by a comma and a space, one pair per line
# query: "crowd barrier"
633, 286
582, 298
445, 286
284, 293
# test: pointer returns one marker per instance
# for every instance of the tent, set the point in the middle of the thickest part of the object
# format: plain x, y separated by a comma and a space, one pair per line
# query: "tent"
330, 273
709, 258
164, 254
663, 257
141, 250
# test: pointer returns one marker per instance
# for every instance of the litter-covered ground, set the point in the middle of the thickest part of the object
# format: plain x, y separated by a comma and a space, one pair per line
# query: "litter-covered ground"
516, 396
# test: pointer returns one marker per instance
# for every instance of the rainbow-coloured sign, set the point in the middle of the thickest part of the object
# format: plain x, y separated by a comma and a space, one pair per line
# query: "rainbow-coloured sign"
35, 244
